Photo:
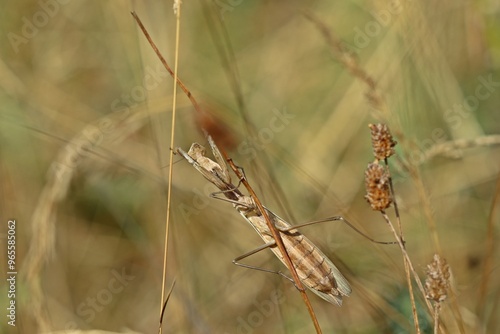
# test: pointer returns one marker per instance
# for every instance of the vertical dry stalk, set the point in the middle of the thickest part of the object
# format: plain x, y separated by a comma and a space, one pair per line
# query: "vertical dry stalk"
409, 264
177, 12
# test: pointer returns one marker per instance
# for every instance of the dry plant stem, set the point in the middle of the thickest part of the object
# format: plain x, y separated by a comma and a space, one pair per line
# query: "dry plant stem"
278, 241
170, 171
165, 64
412, 296
173, 73
396, 208
165, 306
437, 307
405, 260
405, 255
171, 165
234, 77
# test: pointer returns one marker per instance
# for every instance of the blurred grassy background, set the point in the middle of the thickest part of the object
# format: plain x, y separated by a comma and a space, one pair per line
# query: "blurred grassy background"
66, 66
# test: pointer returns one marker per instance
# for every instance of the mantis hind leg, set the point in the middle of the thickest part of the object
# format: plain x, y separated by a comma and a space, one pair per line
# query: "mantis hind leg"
254, 251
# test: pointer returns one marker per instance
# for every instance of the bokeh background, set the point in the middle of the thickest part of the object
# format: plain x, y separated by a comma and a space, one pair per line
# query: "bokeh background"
85, 124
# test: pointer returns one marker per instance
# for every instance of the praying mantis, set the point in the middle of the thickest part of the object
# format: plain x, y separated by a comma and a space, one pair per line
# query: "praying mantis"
315, 270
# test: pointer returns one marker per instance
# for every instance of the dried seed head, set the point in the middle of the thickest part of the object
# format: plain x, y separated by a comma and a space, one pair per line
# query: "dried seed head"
377, 187
382, 142
438, 279
176, 6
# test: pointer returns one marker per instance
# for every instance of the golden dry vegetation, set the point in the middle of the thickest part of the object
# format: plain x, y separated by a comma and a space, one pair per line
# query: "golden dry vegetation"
85, 130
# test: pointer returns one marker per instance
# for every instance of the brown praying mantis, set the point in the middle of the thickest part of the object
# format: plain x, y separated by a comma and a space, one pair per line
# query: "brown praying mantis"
315, 270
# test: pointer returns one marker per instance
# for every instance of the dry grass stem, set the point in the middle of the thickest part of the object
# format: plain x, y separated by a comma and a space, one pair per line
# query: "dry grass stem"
407, 260
177, 12
165, 64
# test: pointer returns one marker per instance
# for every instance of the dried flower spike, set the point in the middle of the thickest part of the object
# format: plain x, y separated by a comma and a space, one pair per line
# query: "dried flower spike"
438, 279
377, 187
176, 6
382, 142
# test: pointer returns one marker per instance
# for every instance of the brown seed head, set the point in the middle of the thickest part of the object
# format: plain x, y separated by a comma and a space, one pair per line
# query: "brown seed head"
382, 142
377, 187
438, 279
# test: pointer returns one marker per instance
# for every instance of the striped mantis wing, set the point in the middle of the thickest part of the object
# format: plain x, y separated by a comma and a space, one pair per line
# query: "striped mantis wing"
316, 271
